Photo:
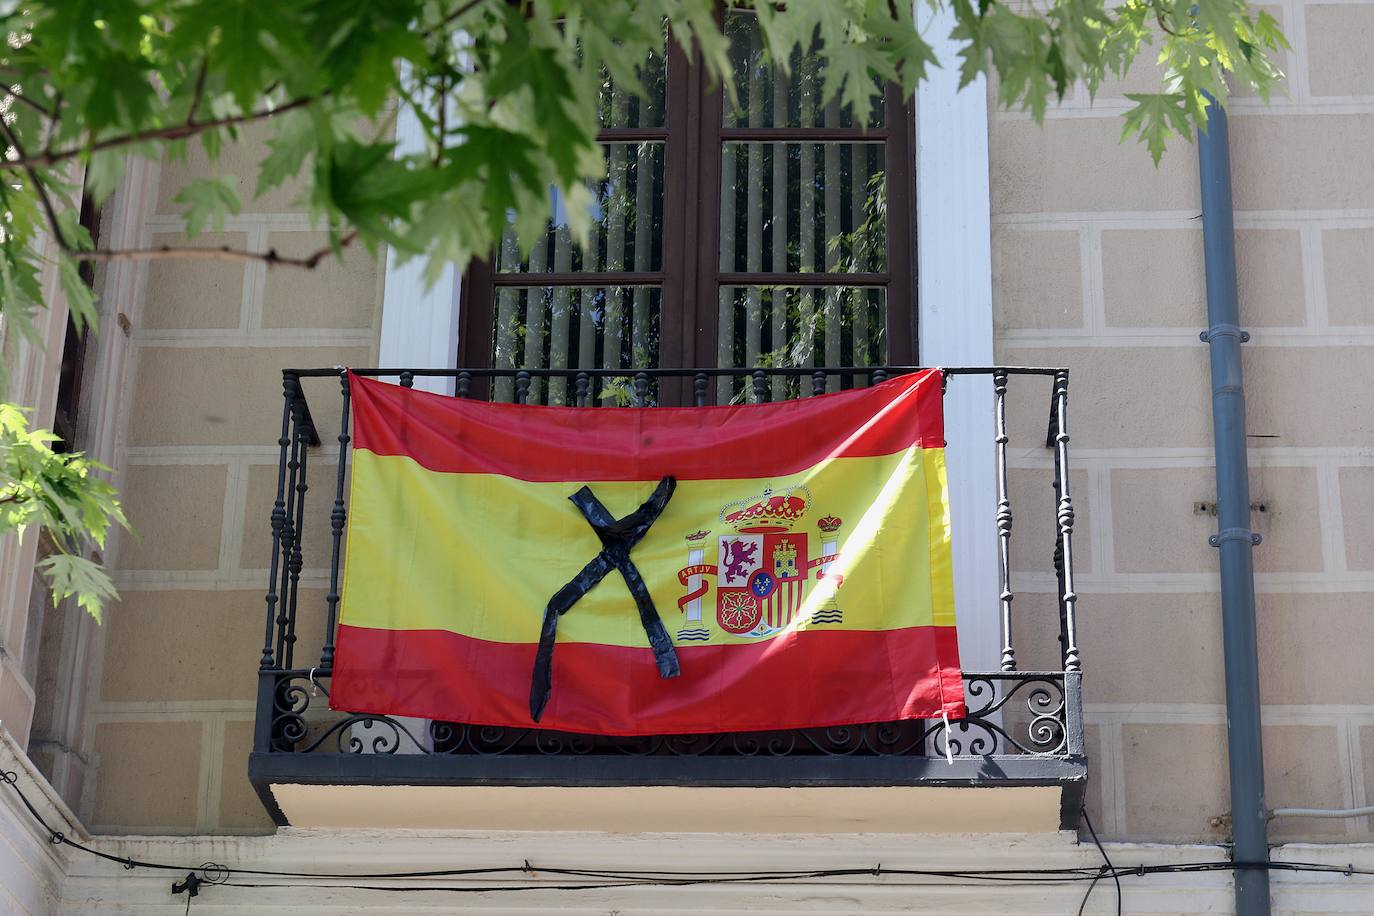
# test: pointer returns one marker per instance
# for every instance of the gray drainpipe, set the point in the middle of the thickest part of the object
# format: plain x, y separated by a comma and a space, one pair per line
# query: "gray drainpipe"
1234, 539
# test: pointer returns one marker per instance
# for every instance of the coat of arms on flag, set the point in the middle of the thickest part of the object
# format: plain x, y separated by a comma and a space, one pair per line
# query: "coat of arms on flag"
640, 571
765, 575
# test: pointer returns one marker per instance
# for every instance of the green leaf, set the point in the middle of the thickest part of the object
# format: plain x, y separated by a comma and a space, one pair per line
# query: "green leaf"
77, 577
207, 200
1155, 118
294, 140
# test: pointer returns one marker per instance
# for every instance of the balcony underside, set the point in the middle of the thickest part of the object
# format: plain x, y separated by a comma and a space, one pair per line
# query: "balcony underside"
1016, 794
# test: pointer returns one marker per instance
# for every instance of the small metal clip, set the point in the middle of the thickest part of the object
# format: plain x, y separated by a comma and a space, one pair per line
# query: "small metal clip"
314, 685
1223, 330
1234, 534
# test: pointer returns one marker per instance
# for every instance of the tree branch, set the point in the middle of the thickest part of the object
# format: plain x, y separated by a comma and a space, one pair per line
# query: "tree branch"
199, 91
451, 17
270, 257
35, 105
173, 132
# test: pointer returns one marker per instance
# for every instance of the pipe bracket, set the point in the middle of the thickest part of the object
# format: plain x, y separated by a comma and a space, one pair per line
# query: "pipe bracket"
1235, 534
1224, 330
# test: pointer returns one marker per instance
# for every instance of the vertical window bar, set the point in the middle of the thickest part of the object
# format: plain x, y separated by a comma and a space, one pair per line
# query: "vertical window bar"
507, 314
642, 324
586, 302
753, 295
778, 342
858, 254
560, 318
535, 318
833, 311
806, 220
617, 175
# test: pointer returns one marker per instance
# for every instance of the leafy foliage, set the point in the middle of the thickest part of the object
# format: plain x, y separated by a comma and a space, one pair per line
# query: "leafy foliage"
507, 95
62, 495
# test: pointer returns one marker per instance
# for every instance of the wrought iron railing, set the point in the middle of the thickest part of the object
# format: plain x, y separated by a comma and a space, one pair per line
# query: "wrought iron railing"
1015, 719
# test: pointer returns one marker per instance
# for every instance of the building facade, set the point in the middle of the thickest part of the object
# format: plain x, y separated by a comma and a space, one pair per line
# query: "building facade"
1013, 244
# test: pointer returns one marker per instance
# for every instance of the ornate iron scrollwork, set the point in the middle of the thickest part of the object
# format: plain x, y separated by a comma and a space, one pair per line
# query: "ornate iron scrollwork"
1009, 713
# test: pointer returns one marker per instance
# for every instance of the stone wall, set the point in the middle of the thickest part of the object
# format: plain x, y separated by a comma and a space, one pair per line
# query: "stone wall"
172, 723
1098, 266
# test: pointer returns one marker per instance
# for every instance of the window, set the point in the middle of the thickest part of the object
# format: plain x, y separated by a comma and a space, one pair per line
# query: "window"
66, 420
777, 231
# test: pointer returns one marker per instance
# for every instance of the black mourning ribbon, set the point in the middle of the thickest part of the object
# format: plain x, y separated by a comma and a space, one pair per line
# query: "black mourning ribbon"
618, 537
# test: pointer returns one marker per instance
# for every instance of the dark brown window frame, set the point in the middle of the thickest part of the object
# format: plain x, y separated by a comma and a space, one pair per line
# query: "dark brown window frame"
692, 135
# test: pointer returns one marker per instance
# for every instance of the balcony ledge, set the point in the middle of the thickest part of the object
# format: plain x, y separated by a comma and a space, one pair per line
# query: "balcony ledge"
1021, 794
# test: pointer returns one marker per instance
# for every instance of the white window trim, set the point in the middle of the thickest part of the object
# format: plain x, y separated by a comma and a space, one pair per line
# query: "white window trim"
419, 320
954, 283
954, 278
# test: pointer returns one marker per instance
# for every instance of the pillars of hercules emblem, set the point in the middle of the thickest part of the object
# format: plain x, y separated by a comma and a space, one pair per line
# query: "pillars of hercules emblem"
696, 553
830, 548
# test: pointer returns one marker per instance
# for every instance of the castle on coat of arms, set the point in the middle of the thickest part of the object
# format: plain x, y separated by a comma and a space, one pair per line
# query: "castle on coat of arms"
764, 573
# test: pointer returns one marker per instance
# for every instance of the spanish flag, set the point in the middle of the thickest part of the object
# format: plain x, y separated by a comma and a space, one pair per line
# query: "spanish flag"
628, 571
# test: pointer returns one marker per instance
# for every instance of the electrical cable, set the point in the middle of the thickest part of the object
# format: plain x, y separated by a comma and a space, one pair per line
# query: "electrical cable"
1106, 864
214, 874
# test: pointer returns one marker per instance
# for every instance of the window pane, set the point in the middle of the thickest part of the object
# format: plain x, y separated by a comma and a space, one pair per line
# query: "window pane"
622, 106
800, 326
769, 98
572, 327
627, 225
802, 207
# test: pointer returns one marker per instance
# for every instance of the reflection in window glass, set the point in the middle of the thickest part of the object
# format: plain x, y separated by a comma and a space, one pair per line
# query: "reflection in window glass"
800, 326
571, 327
624, 107
802, 207
627, 222
770, 98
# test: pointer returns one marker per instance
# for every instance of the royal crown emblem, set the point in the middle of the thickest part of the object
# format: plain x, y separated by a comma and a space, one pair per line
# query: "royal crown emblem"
765, 576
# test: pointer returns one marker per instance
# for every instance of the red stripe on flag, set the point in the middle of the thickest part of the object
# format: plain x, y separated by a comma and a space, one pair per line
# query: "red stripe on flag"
690, 443
803, 679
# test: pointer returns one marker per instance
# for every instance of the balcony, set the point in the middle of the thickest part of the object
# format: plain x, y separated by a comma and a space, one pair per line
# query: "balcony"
314, 767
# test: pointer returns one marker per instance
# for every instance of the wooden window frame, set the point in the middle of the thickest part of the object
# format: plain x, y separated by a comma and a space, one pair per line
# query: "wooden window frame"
690, 278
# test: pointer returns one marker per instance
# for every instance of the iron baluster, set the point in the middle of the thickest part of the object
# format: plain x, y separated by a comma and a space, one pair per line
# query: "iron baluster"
278, 520
522, 386
878, 375
288, 527
1065, 518
407, 379
818, 382
337, 516
760, 386
296, 556
582, 389
1004, 519
464, 384
641, 389
699, 382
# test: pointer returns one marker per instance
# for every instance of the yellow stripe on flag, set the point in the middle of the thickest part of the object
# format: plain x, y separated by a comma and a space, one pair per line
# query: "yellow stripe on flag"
481, 554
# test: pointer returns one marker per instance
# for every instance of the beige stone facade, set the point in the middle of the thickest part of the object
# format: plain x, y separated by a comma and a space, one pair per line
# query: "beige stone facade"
1105, 257
1097, 261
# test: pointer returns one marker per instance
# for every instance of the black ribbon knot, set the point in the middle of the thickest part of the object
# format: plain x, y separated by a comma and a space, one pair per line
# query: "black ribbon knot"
618, 536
